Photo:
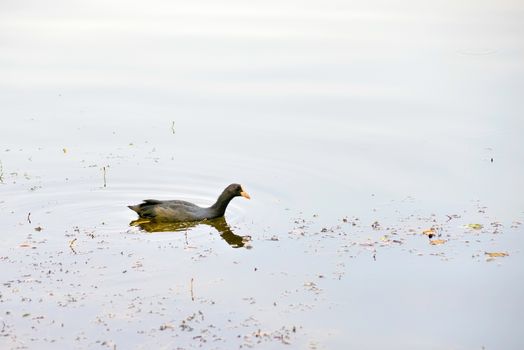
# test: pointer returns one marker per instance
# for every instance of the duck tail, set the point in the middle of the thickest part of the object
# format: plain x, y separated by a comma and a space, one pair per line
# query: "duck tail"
134, 208
144, 210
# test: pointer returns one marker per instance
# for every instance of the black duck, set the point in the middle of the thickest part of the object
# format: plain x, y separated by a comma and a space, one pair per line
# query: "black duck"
179, 211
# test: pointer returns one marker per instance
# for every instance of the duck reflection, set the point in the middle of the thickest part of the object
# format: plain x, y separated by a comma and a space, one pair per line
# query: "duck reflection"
219, 224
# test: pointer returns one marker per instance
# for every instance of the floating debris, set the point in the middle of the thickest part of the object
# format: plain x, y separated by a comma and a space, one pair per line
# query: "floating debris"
311, 286
430, 232
165, 326
191, 289
104, 173
474, 226
437, 241
453, 216
72, 244
496, 254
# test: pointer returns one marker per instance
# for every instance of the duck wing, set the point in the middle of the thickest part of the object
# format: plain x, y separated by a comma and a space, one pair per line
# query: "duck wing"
172, 210
151, 201
174, 203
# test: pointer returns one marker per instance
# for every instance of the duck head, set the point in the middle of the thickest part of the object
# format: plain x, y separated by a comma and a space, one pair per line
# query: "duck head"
235, 190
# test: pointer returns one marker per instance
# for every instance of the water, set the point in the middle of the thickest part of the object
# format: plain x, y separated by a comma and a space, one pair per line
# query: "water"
354, 126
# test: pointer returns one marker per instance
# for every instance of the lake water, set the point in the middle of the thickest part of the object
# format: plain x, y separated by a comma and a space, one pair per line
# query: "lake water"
355, 126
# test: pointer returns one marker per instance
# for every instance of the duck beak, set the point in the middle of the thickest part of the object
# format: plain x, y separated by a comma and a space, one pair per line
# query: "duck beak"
244, 194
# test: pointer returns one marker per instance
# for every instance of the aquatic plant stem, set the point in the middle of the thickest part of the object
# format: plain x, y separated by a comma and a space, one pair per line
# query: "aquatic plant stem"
104, 170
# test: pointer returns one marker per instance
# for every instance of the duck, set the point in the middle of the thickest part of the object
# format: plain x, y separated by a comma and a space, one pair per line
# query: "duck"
182, 211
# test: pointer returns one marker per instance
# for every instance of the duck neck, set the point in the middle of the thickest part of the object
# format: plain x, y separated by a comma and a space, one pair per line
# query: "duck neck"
221, 203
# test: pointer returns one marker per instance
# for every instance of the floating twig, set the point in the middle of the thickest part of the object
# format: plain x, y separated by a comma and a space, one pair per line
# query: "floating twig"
71, 245
104, 170
29, 217
173, 127
191, 289
1, 173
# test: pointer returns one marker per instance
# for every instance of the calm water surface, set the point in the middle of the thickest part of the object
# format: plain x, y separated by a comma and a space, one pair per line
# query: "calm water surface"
355, 126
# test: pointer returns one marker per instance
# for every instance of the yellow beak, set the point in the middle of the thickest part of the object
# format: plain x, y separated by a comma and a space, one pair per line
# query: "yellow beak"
244, 194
